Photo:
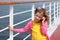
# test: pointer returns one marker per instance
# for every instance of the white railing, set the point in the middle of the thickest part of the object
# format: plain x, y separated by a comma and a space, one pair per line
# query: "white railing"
11, 21
16, 13
33, 8
13, 15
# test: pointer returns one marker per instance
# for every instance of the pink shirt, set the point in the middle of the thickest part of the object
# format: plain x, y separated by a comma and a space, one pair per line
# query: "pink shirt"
29, 25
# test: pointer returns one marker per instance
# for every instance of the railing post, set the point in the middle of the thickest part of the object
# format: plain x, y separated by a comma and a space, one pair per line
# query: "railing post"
57, 9
43, 5
54, 11
50, 14
33, 8
11, 21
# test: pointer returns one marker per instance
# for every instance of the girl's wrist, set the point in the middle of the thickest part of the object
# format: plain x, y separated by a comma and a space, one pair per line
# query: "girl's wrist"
43, 21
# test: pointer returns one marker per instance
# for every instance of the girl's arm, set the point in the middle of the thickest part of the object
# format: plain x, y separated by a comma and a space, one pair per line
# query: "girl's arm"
44, 28
26, 28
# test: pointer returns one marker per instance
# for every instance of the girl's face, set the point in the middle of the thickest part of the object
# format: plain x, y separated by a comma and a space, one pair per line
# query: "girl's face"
38, 16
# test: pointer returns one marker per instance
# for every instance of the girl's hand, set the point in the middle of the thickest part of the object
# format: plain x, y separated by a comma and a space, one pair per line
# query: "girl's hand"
10, 28
43, 19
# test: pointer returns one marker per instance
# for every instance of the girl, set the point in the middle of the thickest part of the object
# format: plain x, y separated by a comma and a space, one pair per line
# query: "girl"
37, 27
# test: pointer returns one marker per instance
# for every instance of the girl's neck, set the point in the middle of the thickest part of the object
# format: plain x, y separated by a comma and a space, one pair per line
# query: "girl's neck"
36, 22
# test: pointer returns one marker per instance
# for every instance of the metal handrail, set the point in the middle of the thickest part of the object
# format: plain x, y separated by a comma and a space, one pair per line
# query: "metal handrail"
16, 13
15, 24
25, 2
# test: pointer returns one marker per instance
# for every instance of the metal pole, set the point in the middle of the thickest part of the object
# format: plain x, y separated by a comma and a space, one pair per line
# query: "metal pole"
50, 14
43, 5
11, 21
57, 9
54, 12
33, 6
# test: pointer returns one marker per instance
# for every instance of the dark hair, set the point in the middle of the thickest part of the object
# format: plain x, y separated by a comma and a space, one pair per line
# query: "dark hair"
40, 10
43, 11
